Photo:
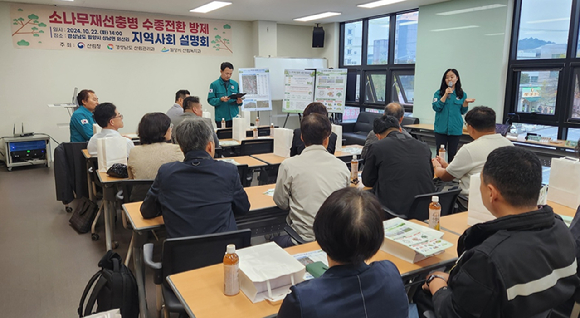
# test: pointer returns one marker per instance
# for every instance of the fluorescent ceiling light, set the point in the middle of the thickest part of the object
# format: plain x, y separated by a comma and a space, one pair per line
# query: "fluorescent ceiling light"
214, 5
317, 16
409, 22
548, 20
380, 3
482, 8
456, 28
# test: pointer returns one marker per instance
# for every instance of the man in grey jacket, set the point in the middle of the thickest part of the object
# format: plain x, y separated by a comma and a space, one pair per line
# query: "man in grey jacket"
192, 109
392, 109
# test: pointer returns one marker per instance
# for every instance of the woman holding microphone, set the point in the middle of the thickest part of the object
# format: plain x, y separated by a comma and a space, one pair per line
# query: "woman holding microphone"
450, 102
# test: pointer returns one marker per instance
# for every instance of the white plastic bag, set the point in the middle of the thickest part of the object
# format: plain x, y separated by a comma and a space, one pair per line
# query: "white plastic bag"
111, 150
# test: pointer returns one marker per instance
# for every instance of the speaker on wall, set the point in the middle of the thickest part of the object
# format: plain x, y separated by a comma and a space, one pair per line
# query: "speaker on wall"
318, 37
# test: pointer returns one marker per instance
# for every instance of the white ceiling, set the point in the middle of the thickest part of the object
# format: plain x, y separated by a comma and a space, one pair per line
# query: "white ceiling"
281, 11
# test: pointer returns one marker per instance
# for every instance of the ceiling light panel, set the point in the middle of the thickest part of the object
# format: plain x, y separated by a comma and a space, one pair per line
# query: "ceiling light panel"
380, 3
317, 16
214, 5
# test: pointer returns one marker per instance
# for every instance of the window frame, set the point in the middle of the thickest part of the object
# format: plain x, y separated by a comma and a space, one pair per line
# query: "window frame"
566, 66
365, 68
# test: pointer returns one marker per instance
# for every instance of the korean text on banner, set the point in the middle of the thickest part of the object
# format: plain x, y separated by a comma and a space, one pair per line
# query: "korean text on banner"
84, 29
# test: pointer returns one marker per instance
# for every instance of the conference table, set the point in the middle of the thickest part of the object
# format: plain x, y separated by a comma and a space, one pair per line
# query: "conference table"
264, 217
457, 223
201, 290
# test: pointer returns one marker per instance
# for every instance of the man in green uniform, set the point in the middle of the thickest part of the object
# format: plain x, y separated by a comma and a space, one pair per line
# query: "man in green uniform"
219, 91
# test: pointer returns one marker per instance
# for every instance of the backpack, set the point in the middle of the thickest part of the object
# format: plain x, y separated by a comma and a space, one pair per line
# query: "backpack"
115, 288
83, 215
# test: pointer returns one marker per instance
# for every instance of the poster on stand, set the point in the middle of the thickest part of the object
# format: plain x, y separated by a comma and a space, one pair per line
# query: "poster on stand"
331, 89
298, 90
256, 84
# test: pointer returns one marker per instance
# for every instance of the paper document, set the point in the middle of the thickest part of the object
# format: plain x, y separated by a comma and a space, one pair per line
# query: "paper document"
567, 219
352, 150
421, 239
309, 258
232, 161
270, 192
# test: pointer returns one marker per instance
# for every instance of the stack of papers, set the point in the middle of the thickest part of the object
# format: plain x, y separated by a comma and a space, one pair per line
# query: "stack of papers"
412, 242
309, 258
232, 161
352, 150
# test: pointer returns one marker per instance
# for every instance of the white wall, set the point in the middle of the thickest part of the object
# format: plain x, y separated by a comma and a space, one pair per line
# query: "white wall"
480, 54
136, 82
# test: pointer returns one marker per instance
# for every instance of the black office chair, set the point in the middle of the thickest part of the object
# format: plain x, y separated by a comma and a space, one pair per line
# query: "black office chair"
256, 146
224, 133
187, 253
419, 209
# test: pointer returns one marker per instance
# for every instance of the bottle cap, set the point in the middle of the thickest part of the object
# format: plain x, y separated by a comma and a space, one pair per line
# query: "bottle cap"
442, 147
223, 119
231, 249
353, 157
435, 198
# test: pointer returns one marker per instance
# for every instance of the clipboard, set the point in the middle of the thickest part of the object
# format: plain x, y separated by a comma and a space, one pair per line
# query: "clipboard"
236, 96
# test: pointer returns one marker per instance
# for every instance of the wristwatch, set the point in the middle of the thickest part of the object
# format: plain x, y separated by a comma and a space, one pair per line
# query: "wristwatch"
432, 277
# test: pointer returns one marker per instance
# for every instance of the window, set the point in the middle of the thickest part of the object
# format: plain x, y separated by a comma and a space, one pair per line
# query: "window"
543, 84
378, 43
537, 92
354, 44
375, 85
406, 38
381, 52
543, 30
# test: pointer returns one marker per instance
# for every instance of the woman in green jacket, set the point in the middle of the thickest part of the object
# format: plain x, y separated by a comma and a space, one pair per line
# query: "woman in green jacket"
450, 102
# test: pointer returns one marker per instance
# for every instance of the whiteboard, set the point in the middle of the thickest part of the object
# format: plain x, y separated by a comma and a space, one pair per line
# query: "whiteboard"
277, 65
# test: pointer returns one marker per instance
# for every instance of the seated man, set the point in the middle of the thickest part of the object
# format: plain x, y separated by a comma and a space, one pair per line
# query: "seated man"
81, 121
177, 108
199, 195
392, 109
349, 228
397, 166
305, 181
192, 109
107, 116
522, 264
297, 143
470, 159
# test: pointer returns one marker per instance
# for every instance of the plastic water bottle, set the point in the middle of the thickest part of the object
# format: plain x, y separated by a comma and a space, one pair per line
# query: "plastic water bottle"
257, 121
434, 213
231, 267
255, 132
354, 169
442, 152
272, 130
223, 123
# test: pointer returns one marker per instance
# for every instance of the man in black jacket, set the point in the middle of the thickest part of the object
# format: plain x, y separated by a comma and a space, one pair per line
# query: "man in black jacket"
397, 166
199, 195
522, 264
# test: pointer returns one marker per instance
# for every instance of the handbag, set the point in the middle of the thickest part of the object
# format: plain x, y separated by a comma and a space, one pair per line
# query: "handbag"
118, 170
83, 215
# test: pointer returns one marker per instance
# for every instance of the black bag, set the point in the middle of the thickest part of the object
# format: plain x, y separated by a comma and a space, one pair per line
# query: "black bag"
83, 215
115, 288
118, 170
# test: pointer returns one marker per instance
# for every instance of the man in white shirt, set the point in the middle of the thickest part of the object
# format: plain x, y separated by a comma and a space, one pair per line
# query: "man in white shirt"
305, 181
470, 159
177, 108
107, 116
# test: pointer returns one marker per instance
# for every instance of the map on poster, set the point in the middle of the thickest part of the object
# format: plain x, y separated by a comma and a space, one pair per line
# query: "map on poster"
302, 87
331, 89
298, 90
256, 84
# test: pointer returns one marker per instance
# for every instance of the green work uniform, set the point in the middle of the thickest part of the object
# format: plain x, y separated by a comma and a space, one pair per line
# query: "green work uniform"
448, 114
226, 110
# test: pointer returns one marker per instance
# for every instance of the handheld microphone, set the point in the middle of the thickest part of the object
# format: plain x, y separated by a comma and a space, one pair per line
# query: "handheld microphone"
450, 84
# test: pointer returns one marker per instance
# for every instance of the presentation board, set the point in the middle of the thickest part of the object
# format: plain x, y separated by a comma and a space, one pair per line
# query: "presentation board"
298, 90
256, 84
277, 65
326, 86
331, 89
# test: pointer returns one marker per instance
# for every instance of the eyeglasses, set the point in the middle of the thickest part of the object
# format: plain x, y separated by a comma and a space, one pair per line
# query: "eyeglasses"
171, 126
118, 116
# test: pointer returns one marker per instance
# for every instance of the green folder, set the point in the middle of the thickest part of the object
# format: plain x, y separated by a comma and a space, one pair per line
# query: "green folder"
316, 269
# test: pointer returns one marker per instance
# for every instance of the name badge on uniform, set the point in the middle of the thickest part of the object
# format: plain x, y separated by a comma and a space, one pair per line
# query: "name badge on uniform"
84, 121
232, 86
458, 98
211, 90
434, 100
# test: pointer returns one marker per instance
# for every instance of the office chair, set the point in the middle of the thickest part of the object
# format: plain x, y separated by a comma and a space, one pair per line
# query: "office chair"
256, 146
187, 253
419, 209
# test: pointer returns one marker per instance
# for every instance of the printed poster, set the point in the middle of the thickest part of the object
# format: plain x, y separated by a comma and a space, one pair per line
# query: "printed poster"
84, 29
298, 90
256, 84
331, 89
